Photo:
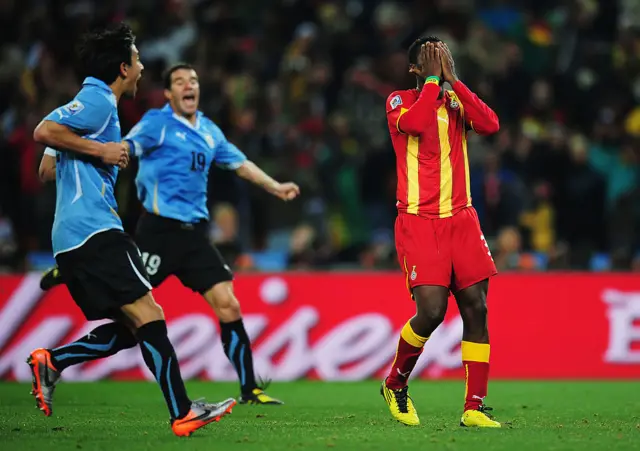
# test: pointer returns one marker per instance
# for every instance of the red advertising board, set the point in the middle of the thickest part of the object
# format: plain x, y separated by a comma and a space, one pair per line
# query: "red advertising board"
344, 326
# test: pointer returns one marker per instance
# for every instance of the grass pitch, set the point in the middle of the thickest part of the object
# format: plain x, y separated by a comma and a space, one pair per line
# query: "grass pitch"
122, 416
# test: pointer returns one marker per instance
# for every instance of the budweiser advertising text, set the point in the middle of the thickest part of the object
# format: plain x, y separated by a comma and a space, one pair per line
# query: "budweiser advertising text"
344, 326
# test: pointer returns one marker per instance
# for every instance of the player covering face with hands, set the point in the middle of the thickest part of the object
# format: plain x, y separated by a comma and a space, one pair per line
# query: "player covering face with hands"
440, 245
176, 146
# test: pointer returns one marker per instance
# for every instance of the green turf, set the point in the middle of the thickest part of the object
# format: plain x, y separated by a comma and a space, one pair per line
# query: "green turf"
347, 416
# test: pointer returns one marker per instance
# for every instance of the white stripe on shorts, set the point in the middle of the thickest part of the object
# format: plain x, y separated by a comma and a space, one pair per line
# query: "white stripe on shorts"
143, 279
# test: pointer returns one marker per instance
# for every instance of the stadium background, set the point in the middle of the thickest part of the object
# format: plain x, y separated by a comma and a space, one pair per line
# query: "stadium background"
300, 85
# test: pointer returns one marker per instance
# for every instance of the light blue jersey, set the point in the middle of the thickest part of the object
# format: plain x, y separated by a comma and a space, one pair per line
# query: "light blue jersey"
85, 201
175, 157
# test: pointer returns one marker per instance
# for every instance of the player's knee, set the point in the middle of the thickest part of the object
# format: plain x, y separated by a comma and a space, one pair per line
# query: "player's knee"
477, 305
143, 311
480, 313
224, 302
431, 304
474, 311
156, 311
228, 308
432, 313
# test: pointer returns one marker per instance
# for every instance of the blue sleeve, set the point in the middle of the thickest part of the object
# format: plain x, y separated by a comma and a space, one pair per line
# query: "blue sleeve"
87, 114
228, 156
145, 136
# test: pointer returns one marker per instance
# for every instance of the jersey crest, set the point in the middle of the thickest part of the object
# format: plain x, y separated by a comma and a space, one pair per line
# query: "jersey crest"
209, 139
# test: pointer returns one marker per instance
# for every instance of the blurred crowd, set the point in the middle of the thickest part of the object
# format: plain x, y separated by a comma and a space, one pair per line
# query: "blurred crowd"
300, 87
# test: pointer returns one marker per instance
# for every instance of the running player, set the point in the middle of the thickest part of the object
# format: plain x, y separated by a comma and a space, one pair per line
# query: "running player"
176, 146
101, 264
438, 238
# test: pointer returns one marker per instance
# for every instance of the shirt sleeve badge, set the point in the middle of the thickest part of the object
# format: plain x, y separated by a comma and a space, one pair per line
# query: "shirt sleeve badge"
395, 102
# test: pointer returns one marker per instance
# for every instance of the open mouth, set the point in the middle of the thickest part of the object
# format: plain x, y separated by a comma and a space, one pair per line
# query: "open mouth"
189, 100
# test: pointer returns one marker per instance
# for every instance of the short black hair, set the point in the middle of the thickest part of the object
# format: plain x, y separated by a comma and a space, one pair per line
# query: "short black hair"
414, 48
101, 52
166, 77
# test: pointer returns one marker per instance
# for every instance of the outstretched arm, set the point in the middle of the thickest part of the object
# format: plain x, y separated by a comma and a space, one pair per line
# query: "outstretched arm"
146, 136
250, 171
228, 156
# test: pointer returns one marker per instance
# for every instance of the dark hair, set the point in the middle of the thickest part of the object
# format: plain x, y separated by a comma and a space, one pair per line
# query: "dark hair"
414, 48
166, 76
101, 52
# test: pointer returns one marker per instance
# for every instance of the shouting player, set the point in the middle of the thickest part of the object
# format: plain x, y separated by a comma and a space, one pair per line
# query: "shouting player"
102, 266
438, 238
176, 146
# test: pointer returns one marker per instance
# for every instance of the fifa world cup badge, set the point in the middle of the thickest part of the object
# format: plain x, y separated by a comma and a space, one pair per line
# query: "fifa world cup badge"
414, 274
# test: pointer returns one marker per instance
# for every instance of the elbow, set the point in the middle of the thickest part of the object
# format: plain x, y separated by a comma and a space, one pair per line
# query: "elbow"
494, 127
489, 128
41, 134
42, 175
244, 170
46, 174
412, 129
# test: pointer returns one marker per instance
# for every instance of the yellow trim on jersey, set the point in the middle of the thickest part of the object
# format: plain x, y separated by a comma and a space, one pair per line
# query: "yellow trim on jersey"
467, 176
413, 180
475, 352
446, 170
406, 272
104, 188
156, 210
466, 380
402, 111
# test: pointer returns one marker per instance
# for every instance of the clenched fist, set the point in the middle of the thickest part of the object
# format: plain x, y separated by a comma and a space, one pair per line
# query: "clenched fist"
116, 154
287, 191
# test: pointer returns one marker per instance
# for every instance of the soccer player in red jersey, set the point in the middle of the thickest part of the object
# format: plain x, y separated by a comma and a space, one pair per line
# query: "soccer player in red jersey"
439, 242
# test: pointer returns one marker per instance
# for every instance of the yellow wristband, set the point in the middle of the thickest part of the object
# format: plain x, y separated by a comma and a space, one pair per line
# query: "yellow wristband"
432, 79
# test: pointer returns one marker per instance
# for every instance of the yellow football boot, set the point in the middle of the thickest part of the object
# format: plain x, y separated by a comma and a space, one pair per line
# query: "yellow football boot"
400, 405
258, 396
51, 278
479, 419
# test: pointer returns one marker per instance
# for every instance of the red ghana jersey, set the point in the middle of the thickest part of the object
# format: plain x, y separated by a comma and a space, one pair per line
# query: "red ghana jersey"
429, 137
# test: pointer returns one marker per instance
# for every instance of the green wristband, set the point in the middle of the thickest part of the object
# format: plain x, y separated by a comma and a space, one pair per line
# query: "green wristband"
433, 79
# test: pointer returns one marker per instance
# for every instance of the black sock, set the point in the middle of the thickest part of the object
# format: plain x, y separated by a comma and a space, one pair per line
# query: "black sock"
237, 347
101, 342
161, 359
